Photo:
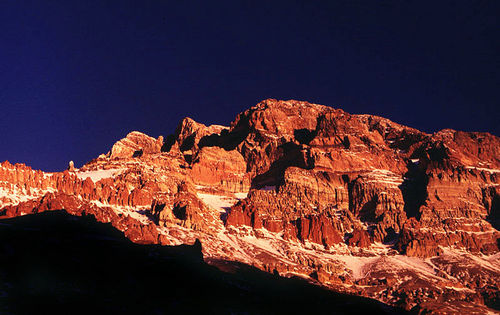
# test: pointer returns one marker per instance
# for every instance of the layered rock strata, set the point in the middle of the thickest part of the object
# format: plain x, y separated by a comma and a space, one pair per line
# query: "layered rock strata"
357, 203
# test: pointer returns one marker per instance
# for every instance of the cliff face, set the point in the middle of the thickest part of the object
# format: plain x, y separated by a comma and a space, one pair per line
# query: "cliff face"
52, 262
355, 202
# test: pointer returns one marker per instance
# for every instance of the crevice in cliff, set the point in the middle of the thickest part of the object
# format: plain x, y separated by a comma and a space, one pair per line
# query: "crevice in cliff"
137, 154
228, 139
367, 211
180, 212
168, 143
304, 136
491, 201
350, 188
223, 216
414, 190
188, 143
288, 154
362, 202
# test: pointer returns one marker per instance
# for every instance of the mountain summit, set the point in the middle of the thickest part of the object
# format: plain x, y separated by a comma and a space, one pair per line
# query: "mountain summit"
356, 203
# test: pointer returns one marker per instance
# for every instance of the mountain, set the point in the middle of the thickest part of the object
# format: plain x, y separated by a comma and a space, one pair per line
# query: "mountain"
357, 204
56, 263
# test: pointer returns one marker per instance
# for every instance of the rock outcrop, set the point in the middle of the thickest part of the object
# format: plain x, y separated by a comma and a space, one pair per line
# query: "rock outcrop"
135, 144
357, 203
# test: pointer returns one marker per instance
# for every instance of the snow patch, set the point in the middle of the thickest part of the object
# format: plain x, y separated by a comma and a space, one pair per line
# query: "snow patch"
15, 195
97, 175
217, 202
358, 265
490, 170
240, 195
133, 212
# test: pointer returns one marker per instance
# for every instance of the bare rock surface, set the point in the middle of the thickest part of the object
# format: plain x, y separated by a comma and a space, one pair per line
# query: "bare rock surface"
356, 203
135, 144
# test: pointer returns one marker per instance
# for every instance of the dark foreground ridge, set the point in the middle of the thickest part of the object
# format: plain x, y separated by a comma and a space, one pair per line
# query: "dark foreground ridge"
356, 204
55, 263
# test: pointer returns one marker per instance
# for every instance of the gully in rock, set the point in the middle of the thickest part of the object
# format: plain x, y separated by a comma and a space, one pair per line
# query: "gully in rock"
356, 204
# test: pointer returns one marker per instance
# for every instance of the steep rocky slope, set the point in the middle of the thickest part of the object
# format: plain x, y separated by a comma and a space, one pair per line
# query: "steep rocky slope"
55, 263
356, 203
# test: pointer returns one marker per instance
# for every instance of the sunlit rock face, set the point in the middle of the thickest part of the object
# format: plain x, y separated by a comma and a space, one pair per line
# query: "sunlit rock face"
357, 203
135, 144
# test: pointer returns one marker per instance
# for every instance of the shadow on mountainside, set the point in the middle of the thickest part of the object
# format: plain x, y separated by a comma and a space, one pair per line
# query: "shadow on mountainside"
59, 264
493, 206
414, 190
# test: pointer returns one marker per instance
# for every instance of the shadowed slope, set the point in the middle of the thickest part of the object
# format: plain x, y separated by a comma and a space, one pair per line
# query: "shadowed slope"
57, 263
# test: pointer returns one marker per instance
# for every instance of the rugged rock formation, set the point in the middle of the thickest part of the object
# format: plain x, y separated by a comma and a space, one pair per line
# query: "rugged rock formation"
136, 144
224, 170
355, 202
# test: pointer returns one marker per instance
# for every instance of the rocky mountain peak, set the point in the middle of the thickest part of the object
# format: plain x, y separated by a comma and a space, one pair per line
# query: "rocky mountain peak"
135, 144
357, 203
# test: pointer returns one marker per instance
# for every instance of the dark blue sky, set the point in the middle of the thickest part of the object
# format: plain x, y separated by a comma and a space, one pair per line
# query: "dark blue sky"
76, 76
